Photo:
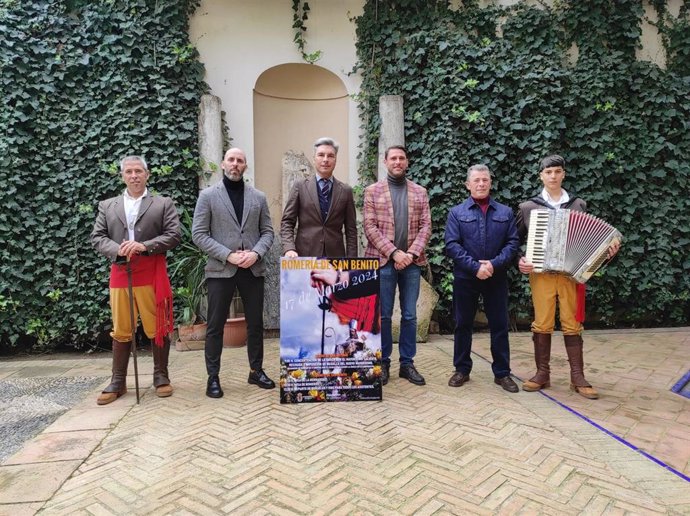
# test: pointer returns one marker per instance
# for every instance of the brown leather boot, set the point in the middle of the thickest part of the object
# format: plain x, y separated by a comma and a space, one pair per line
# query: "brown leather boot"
573, 347
160, 368
542, 357
118, 382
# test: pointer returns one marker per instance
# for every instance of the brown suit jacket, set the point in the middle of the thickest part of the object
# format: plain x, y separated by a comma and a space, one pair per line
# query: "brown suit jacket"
157, 226
303, 230
379, 223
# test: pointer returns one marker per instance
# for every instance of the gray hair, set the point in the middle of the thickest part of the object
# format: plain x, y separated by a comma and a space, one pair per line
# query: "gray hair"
133, 158
326, 141
480, 167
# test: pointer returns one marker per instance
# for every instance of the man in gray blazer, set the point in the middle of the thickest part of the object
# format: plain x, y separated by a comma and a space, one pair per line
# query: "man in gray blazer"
320, 207
232, 225
135, 230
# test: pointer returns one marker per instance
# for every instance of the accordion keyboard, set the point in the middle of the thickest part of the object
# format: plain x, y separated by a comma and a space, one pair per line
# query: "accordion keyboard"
537, 238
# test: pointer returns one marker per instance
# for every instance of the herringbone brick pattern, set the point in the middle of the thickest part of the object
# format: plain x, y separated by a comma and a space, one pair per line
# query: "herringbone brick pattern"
423, 450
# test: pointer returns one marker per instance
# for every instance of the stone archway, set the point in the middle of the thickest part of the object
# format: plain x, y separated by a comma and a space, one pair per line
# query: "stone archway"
294, 104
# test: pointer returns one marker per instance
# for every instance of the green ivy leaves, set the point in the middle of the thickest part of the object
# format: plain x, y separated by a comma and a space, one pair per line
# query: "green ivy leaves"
83, 84
506, 86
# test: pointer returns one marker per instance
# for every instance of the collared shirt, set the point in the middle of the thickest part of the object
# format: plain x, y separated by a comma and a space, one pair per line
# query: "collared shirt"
132, 210
319, 178
555, 204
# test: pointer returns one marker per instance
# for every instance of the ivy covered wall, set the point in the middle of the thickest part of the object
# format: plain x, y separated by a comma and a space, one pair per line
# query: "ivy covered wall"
83, 84
507, 85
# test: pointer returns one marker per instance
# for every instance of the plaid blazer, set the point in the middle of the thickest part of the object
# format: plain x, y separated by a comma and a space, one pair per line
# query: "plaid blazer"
379, 226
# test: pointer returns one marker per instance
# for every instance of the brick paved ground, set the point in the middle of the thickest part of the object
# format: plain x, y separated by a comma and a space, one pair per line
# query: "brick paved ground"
423, 450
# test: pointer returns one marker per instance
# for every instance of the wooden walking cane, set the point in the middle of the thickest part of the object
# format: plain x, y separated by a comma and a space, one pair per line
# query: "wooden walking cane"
134, 328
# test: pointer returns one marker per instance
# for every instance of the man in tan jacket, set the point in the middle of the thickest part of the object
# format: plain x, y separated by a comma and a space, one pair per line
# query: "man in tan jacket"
136, 229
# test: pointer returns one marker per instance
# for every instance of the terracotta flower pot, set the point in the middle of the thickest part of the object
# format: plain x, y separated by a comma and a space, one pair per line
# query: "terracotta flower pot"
192, 332
235, 333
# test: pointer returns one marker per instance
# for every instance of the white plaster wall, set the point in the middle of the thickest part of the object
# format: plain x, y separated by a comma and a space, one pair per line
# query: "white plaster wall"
240, 39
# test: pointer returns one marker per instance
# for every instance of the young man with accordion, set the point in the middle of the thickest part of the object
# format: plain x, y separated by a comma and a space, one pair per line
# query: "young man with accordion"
558, 267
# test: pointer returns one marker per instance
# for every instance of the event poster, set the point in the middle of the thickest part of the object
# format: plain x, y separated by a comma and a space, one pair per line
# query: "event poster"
330, 330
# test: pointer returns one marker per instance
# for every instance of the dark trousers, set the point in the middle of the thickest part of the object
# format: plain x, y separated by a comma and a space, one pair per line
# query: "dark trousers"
494, 292
220, 294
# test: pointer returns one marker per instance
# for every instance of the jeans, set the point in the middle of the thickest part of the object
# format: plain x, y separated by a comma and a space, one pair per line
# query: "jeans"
494, 292
407, 281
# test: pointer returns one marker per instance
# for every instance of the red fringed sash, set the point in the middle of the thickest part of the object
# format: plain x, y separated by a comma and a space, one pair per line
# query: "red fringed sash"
149, 270
580, 312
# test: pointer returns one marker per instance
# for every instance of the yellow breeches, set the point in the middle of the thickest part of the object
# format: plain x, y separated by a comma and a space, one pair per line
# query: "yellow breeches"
144, 307
547, 290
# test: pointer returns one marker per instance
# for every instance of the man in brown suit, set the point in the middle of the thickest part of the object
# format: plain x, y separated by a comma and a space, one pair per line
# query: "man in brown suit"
320, 207
136, 229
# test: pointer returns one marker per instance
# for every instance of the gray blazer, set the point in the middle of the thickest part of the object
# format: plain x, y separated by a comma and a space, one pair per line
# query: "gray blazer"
157, 226
217, 232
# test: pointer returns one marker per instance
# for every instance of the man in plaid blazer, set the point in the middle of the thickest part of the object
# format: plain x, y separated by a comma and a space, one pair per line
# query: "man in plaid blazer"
397, 223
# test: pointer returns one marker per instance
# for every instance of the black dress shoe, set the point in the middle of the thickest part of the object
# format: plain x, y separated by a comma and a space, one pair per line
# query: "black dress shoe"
259, 378
507, 384
385, 373
410, 372
213, 389
458, 379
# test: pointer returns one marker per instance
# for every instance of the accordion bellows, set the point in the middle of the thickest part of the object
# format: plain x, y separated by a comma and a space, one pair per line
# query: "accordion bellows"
568, 241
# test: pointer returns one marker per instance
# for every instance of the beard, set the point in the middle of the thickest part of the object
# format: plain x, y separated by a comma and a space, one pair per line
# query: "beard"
233, 174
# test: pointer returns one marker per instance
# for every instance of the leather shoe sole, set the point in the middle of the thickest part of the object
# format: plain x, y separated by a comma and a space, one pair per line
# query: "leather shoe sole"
213, 389
507, 384
270, 384
588, 392
108, 397
212, 393
458, 379
163, 391
412, 376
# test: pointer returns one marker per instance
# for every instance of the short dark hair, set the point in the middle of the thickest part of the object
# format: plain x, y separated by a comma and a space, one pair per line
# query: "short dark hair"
399, 147
552, 161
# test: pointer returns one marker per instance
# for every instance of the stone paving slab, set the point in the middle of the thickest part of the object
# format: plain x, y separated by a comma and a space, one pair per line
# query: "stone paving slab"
633, 371
29, 404
423, 450
31, 483
429, 449
58, 446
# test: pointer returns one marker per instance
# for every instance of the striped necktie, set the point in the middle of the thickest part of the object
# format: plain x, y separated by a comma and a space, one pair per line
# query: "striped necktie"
324, 197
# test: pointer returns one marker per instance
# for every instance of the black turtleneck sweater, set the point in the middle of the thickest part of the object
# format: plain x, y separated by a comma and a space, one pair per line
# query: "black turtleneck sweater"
398, 189
235, 190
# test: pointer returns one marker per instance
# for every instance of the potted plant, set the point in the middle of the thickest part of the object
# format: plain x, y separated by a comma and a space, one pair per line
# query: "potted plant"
187, 271
235, 331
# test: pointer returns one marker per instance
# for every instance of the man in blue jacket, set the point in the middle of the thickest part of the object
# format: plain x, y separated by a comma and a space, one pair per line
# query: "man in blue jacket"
482, 239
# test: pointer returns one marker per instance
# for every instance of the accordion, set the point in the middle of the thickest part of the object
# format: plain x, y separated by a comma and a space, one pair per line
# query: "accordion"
568, 241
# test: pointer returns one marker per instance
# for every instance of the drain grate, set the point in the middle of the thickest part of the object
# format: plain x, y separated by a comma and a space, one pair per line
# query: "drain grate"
682, 386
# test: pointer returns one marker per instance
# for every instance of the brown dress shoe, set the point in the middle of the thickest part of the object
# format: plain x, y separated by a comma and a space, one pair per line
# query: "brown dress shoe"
108, 397
458, 379
163, 391
588, 392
